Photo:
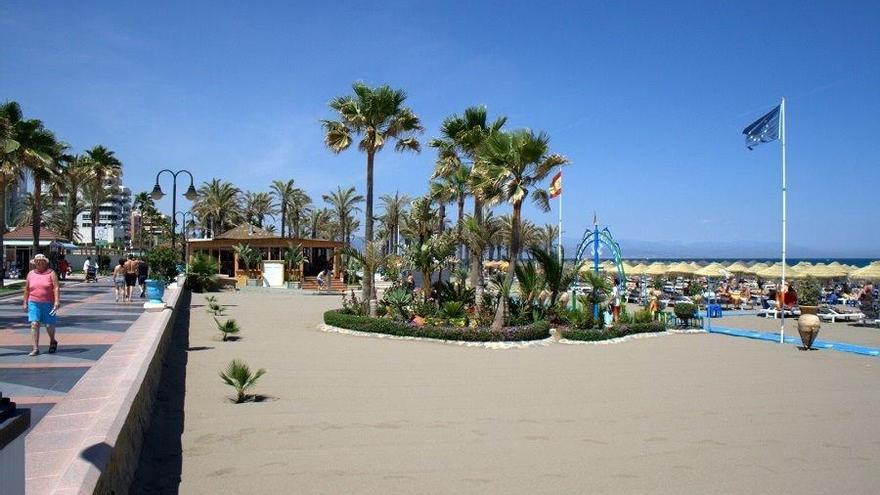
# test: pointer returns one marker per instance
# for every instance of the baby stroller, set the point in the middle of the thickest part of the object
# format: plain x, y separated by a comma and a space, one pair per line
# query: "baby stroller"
92, 274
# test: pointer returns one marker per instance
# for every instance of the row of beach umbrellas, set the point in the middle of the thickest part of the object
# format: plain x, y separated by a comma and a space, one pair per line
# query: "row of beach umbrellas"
763, 270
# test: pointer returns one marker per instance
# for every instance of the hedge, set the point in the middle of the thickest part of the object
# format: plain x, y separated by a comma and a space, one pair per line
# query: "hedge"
341, 319
613, 332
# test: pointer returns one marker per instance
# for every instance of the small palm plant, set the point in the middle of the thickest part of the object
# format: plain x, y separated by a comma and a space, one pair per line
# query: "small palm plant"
238, 375
215, 308
211, 299
227, 327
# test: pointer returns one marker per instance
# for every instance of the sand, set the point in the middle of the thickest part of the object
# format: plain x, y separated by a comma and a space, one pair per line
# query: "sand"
674, 414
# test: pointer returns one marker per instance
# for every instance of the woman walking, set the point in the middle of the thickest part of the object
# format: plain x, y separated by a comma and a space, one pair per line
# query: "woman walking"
41, 300
119, 280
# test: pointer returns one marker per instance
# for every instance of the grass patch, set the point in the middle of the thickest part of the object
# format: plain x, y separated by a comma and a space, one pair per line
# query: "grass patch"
342, 319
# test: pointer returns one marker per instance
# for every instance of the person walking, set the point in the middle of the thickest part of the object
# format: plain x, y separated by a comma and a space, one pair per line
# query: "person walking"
41, 299
130, 276
615, 300
143, 271
119, 279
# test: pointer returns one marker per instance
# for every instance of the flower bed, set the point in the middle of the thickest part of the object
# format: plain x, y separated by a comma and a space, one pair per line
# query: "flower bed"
343, 319
612, 332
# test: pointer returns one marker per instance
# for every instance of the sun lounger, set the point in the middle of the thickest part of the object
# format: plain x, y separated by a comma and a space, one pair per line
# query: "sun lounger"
770, 311
835, 314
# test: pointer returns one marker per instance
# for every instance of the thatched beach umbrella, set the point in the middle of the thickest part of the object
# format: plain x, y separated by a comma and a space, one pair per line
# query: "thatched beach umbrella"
775, 272
656, 269
680, 268
638, 269
713, 270
739, 267
757, 267
870, 272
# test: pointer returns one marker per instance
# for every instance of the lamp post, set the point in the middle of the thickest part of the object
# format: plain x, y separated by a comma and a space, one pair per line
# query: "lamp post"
183, 215
190, 194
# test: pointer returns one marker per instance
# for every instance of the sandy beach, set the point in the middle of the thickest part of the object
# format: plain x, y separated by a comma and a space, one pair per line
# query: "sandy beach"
674, 414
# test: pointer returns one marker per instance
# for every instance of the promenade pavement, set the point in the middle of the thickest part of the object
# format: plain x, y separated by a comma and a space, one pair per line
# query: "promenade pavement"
89, 322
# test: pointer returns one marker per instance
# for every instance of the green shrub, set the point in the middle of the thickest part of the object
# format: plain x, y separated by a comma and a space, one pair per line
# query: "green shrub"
581, 318
202, 273
342, 319
613, 332
685, 311
810, 292
398, 300
643, 316
695, 289
227, 328
163, 263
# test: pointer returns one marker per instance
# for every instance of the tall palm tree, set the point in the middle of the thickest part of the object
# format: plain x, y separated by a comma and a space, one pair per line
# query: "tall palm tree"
219, 205
298, 210
103, 166
455, 186
394, 208
11, 168
36, 154
343, 204
514, 163
378, 115
283, 191
74, 177
143, 202
461, 139
548, 236
258, 206
318, 221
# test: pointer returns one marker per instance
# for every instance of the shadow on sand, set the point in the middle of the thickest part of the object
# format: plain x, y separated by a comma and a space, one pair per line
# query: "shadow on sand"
161, 460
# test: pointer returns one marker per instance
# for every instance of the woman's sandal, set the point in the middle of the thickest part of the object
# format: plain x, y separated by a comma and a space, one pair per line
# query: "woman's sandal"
35, 352
53, 346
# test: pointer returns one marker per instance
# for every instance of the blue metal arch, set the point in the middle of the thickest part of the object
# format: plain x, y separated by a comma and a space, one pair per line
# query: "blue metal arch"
592, 240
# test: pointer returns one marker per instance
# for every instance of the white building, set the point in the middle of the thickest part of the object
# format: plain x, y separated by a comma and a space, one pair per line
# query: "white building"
114, 218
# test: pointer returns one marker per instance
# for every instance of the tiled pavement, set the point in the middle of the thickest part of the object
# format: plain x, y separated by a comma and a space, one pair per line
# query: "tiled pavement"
89, 322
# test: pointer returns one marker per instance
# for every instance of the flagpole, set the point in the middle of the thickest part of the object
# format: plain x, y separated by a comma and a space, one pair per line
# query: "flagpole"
784, 187
559, 247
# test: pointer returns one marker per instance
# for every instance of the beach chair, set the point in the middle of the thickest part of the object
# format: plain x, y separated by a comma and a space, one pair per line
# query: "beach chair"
835, 314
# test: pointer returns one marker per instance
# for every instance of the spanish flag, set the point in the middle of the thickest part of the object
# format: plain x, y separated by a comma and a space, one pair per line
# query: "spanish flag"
556, 185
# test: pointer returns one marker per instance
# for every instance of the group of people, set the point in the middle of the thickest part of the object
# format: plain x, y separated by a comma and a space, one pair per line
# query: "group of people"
128, 273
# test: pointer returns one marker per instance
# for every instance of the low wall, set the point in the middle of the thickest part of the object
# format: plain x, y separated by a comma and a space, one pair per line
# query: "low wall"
91, 440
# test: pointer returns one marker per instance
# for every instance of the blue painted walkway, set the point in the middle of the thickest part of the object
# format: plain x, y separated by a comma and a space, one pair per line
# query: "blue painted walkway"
774, 337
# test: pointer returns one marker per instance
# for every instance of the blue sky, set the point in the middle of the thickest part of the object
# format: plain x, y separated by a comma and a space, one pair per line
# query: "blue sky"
647, 99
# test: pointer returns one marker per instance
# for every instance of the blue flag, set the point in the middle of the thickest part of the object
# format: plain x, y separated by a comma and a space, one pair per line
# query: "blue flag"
763, 130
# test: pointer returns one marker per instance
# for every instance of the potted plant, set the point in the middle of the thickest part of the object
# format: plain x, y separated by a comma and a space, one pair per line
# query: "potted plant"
294, 258
685, 312
250, 258
808, 322
162, 261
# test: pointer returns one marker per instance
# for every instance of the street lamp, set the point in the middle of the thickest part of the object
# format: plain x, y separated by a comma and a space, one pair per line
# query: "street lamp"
183, 215
190, 194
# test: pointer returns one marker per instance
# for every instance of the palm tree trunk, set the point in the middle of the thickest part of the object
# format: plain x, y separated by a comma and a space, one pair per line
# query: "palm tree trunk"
283, 217
94, 214
501, 310
36, 213
442, 213
4, 185
368, 233
460, 226
475, 272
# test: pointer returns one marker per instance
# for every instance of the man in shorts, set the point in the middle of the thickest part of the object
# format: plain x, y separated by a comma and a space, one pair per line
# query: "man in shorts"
131, 272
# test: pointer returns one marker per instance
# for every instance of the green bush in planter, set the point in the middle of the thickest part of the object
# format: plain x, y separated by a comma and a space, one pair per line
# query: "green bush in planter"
685, 311
809, 292
613, 332
163, 263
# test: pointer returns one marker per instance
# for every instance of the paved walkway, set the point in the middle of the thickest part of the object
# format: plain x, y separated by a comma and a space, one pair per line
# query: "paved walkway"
89, 323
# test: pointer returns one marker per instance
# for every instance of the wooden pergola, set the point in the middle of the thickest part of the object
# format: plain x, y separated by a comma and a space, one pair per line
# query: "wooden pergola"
321, 254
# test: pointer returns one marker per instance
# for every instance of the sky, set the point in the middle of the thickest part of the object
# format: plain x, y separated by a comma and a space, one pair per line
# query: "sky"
646, 99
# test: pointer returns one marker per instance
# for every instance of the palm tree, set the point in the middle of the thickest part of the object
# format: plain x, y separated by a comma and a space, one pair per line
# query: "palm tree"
514, 163
344, 202
36, 153
11, 168
547, 236
319, 221
143, 202
71, 181
258, 206
557, 276
219, 205
461, 139
378, 115
298, 210
103, 166
394, 208
283, 192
